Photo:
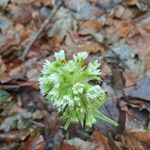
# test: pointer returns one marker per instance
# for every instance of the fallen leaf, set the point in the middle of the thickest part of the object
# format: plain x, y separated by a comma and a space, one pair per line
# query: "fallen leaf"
134, 141
14, 136
100, 139
35, 142
79, 144
2, 66
137, 45
140, 135
55, 42
105, 69
89, 27
130, 78
91, 47
23, 15
132, 2
65, 146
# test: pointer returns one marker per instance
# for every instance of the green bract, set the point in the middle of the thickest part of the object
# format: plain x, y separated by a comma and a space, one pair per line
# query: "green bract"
66, 85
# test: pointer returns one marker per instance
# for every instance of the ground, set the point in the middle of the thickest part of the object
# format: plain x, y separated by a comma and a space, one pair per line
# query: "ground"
116, 32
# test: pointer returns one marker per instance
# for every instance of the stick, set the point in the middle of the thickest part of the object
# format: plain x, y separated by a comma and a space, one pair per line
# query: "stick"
35, 35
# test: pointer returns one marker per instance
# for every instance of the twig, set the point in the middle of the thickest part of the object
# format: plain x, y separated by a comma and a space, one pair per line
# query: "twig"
35, 35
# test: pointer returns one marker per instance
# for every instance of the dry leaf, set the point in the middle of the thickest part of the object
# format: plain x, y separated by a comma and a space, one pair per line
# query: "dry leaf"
135, 140
23, 15
102, 141
65, 146
132, 2
55, 41
130, 78
89, 27
91, 47
35, 142
14, 136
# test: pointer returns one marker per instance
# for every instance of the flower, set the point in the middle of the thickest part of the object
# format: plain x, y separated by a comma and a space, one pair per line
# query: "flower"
93, 68
78, 88
66, 85
47, 67
53, 78
93, 92
68, 100
60, 56
80, 56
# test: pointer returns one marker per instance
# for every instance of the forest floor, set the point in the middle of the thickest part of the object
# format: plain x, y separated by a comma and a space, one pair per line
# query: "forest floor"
116, 32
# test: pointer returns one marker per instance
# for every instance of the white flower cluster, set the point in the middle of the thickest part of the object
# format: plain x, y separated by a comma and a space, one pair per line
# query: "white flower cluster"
93, 68
80, 56
94, 92
60, 56
65, 84
78, 88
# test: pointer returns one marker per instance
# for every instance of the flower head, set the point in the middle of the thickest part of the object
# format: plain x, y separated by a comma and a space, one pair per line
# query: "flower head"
66, 85
93, 68
60, 56
78, 88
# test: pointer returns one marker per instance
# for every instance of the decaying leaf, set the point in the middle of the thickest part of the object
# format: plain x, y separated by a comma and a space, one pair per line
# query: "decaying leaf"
89, 27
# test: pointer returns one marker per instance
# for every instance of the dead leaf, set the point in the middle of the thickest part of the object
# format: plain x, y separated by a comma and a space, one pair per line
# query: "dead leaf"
2, 66
134, 141
65, 146
140, 135
132, 2
137, 44
79, 144
55, 42
100, 139
91, 47
89, 27
130, 78
35, 142
14, 136
23, 15
4, 78
105, 69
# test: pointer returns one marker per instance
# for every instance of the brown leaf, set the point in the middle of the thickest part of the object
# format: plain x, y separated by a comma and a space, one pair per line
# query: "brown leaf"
130, 78
23, 15
79, 144
105, 69
89, 27
143, 24
135, 141
140, 135
55, 41
35, 142
2, 66
65, 146
139, 48
4, 78
13, 136
125, 29
91, 47
132, 2
100, 139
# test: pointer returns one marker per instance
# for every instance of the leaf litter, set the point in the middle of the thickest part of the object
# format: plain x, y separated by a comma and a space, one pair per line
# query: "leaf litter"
116, 32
